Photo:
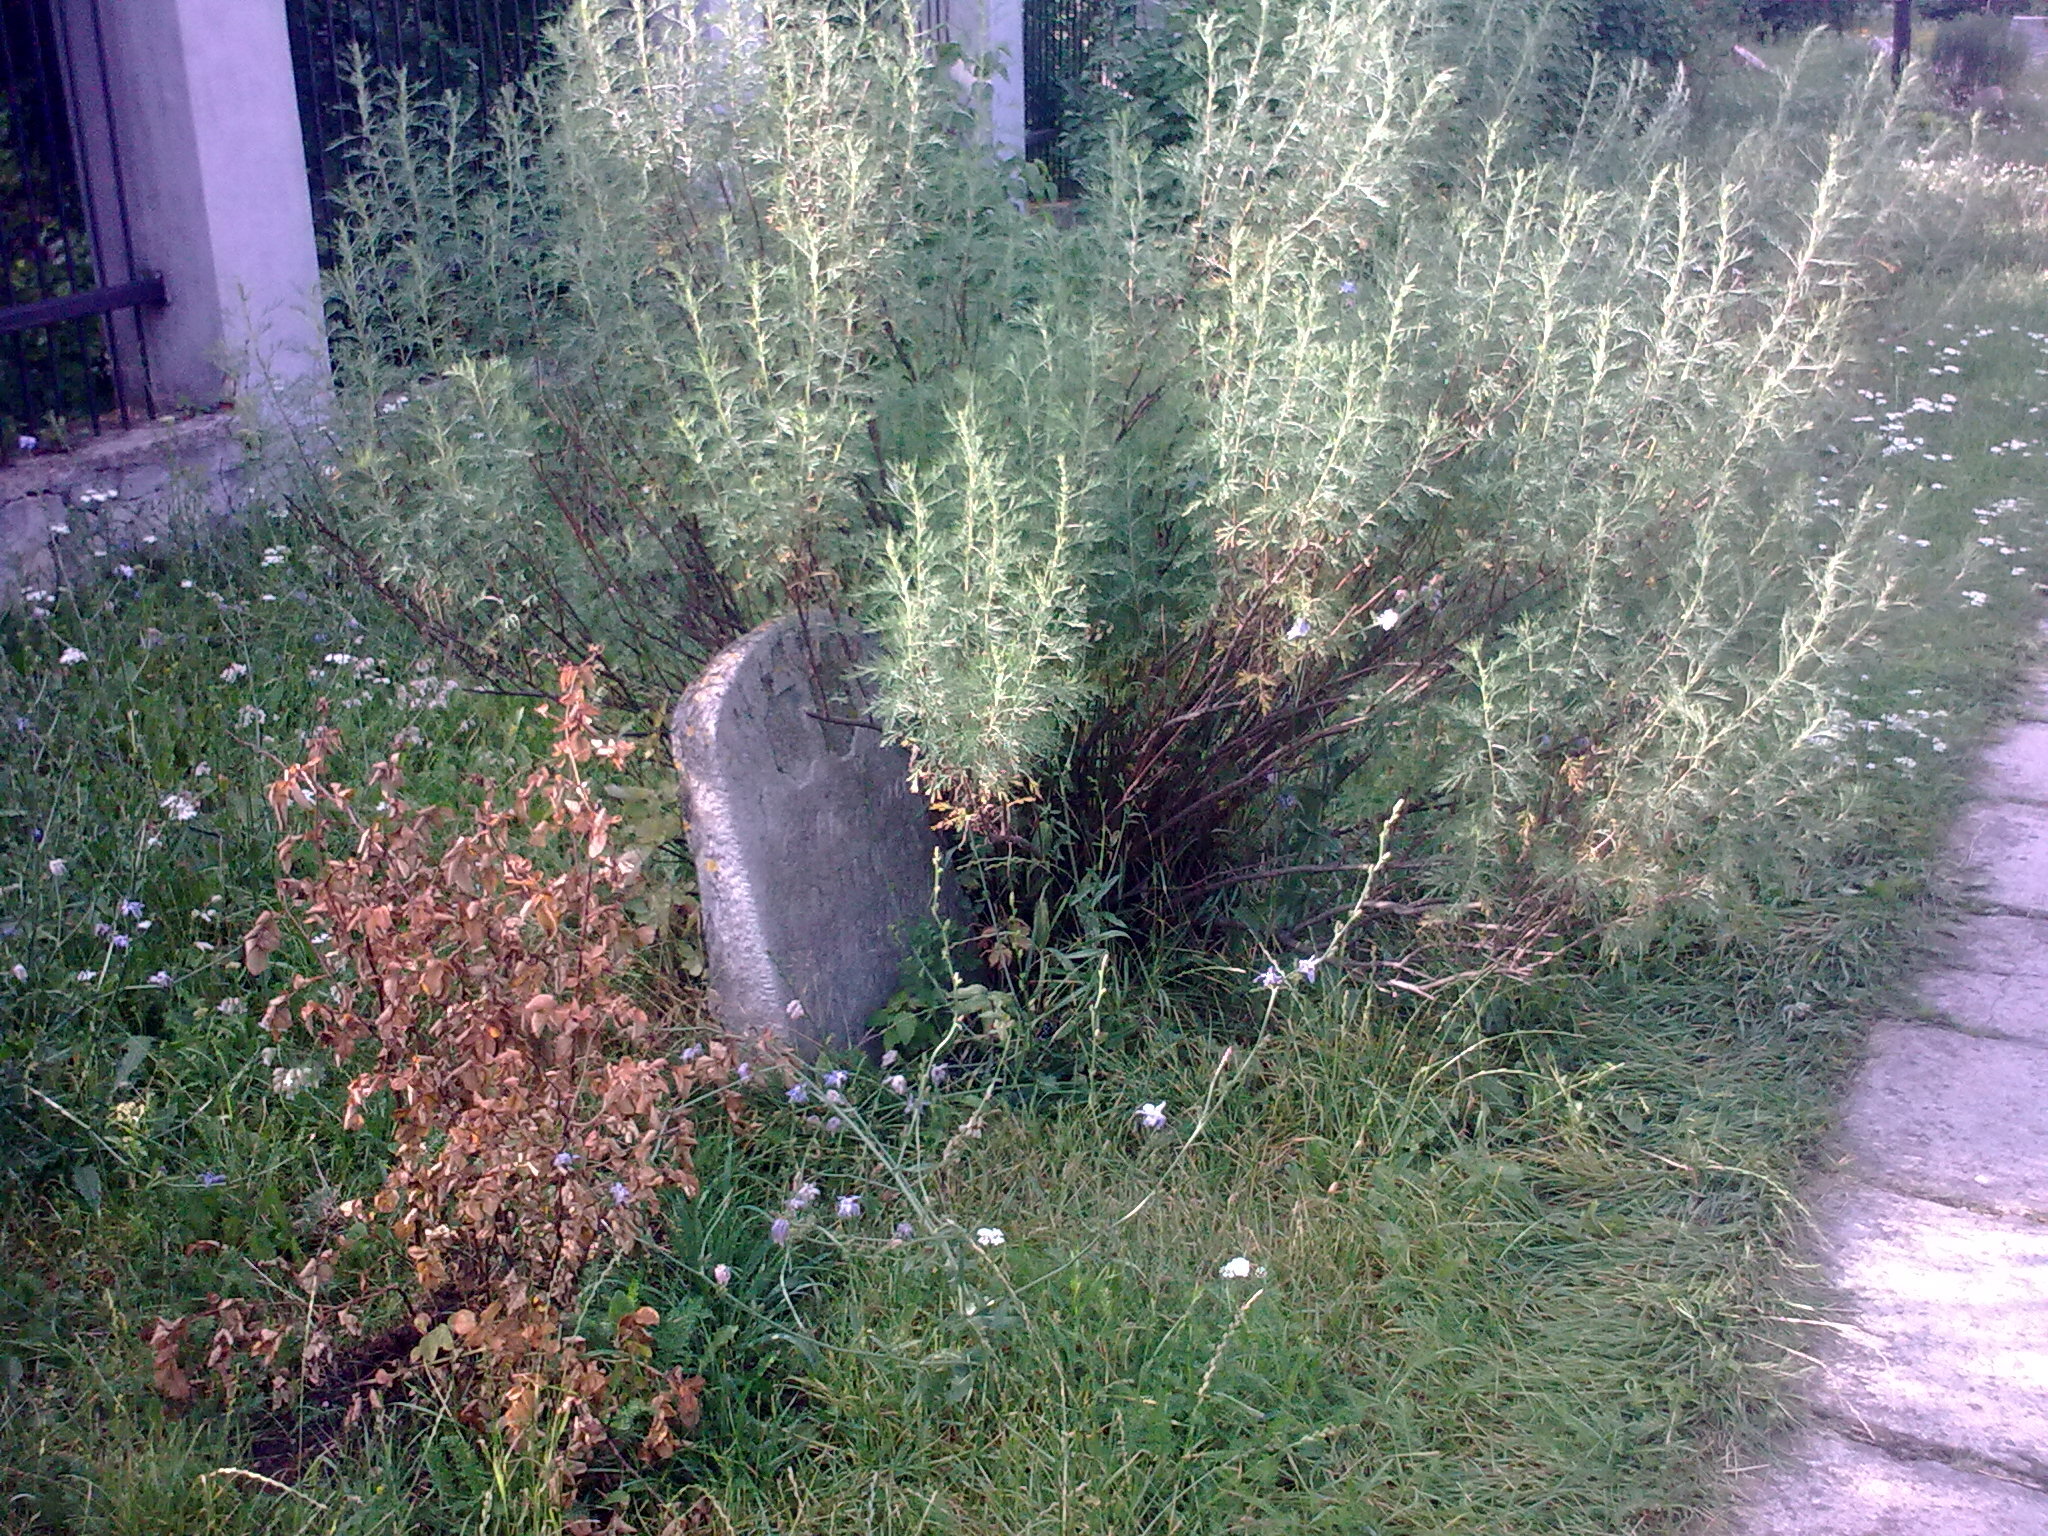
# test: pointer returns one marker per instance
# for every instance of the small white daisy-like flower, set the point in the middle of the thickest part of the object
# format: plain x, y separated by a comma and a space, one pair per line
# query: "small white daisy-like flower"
1239, 1268
20, 971
183, 807
234, 672
88, 975
1387, 618
57, 868
1152, 1116
70, 657
989, 1237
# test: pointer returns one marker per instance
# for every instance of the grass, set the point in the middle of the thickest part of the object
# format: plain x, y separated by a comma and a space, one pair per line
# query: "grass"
1513, 1260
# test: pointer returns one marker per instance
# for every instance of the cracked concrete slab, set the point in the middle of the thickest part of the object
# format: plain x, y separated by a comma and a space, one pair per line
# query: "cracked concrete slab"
1835, 1487
2004, 846
2016, 767
1938, 1113
1986, 1003
2001, 946
1946, 1348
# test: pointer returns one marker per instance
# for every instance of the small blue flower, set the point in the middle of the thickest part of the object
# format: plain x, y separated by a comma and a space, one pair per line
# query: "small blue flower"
213, 1180
1306, 967
835, 1079
565, 1159
798, 1094
620, 1194
131, 908
905, 1231
848, 1207
778, 1230
1271, 979
1347, 286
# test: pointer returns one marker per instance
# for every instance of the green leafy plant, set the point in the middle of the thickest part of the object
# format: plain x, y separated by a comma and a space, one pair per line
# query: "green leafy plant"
1350, 434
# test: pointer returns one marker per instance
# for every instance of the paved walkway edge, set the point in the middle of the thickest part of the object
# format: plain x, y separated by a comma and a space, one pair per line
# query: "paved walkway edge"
1929, 1407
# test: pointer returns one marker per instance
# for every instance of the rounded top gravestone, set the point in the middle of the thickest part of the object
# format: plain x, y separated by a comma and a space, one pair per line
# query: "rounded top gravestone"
817, 866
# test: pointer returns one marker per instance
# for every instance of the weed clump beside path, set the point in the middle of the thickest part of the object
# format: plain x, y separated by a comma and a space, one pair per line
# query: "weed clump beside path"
1444, 628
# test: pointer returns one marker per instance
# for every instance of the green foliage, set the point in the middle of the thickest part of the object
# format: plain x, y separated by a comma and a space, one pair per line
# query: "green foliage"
1660, 32
1972, 52
1355, 429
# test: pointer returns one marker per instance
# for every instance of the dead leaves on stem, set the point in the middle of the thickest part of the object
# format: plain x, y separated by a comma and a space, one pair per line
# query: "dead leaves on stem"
469, 971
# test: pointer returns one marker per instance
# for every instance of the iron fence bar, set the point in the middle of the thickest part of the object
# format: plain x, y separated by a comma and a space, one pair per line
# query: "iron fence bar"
469, 47
111, 330
38, 199
144, 293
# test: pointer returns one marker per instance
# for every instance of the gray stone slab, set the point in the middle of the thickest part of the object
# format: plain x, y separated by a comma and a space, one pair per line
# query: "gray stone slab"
1986, 1002
2001, 946
1834, 1487
2016, 766
1947, 1343
2004, 847
815, 859
1951, 1116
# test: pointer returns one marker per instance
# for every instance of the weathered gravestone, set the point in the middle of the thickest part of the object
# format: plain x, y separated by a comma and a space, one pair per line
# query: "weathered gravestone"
816, 862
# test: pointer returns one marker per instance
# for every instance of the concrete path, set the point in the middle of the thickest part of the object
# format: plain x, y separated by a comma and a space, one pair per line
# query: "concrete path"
1930, 1407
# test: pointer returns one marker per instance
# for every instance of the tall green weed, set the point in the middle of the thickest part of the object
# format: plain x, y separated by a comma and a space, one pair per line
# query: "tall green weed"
1354, 434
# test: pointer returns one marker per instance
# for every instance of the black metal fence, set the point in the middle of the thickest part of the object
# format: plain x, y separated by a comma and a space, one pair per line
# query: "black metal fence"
469, 46
1060, 39
71, 355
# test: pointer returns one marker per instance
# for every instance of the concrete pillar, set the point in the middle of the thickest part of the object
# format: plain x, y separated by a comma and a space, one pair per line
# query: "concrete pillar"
991, 38
205, 129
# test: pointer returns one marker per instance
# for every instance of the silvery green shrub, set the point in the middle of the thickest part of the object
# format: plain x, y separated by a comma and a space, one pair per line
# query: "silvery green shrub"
1349, 431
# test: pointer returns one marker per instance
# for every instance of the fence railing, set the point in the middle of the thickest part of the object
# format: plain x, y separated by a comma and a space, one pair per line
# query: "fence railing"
1061, 38
71, 356
469, 46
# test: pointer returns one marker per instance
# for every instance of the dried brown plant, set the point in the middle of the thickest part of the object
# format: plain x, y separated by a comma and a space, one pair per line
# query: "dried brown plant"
470, 975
